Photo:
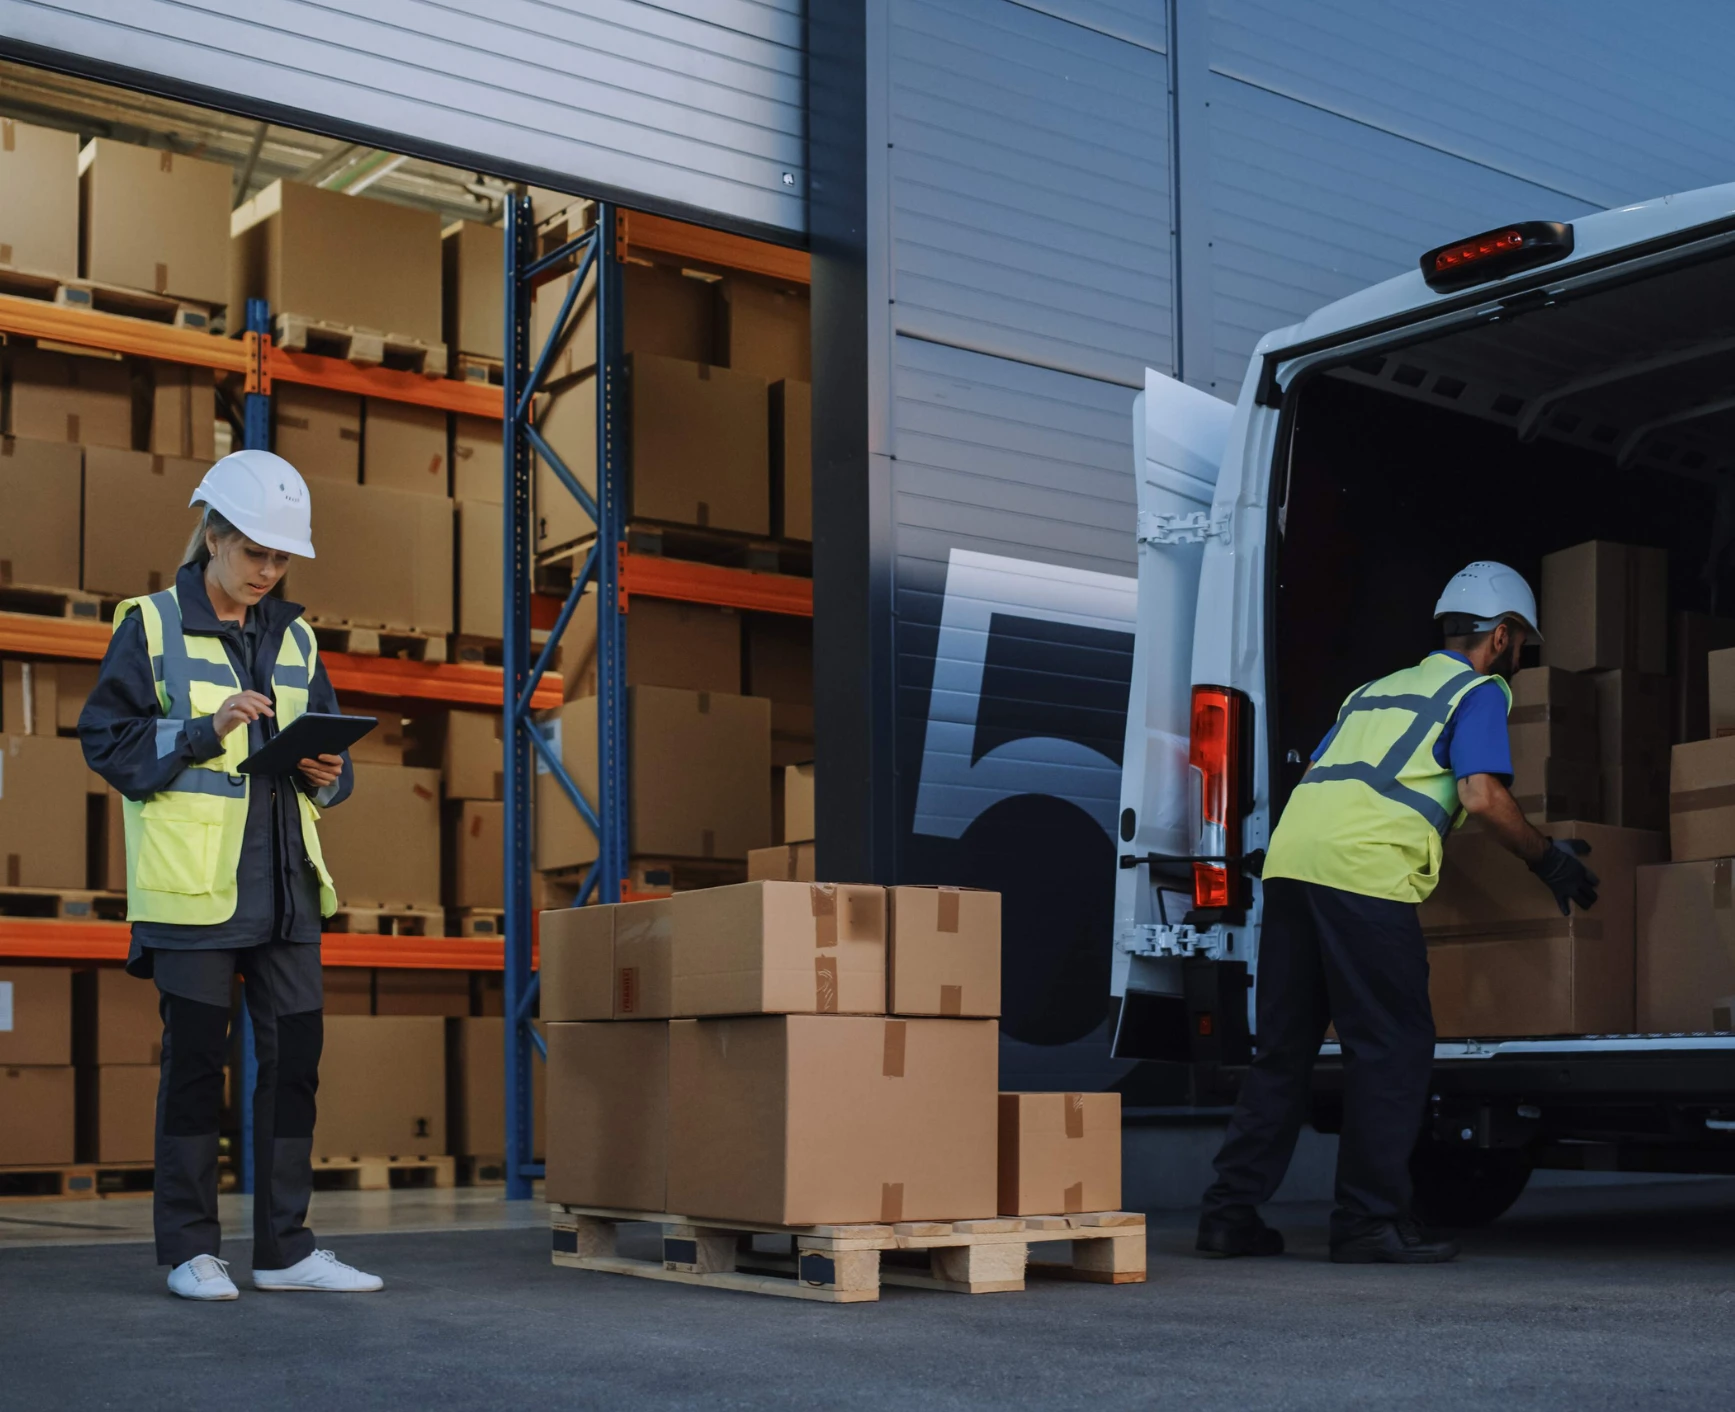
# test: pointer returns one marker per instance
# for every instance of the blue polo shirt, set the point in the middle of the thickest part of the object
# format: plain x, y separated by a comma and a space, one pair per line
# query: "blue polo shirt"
1474, 740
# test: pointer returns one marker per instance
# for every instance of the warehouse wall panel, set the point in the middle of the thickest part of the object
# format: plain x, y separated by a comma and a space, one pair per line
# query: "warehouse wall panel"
696, 103
1143, 22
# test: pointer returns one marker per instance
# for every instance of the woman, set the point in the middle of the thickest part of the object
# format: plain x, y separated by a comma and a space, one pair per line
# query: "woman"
224, 871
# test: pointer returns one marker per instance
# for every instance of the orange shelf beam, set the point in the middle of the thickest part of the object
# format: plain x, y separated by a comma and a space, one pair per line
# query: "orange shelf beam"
471, 399
712, 247
27, 635
29, 939
116, 333
652, 576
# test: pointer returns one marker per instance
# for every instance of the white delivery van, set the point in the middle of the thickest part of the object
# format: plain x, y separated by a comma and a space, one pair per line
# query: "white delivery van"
1525, 390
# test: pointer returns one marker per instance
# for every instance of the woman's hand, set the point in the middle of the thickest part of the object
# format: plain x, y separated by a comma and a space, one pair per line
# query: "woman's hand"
322, 771
242, 707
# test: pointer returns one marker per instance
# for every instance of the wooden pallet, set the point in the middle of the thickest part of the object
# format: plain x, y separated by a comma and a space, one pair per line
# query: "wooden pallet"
51, 602
483, 651
481, 1171
76, 1181
368, 347
848, 1264
63, 904
371, 640
388, 921
382, 1173
113, 299
481, 922
472, 367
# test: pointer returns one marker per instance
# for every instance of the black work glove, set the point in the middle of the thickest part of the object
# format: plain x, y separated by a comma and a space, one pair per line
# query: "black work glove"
1567, 878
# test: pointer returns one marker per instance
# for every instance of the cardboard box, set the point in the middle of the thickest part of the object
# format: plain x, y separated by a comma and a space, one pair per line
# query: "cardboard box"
1633, 714
667, 313
349, 990
780, 666
788, 862
1697, 635
1503, 960
1605, 606
385, 559
1720, 691
382, 1087
184, 411
698, 767
1686, 944
385, 744
773, 948
74, 681
29, 698
112, 870
119, 1118
116, 1019
764, 329
700, 444
61, 397
472, 755
153, 219
1636, 798
576, 354
317, 431
816, 1119
943, 953
566, 419
792, 459
692, 646
338, 259
407, 991
1702, 800
481, 587
577, 953
37, 1105
1548, 790
136, 519
39, 224
479, 854
476, 1088
42, 812
42, 487
473, 264
404, 447
1553, 716
643, 967
1060, 1153
382, 844
477, 471
608, 1115
798, 803
35, 1015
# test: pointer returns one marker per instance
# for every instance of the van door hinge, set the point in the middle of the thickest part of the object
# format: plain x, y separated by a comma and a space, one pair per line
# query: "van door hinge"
1195, 528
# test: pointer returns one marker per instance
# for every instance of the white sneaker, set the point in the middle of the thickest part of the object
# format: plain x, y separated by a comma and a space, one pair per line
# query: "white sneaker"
203, 1277
321, 1271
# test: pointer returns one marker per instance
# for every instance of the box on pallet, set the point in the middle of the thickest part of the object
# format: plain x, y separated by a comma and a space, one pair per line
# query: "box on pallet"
41, 485
788, 862
115, 1019
478, 853
62, 397
39, 222
382, 1088
1060, 1153
818, 1119
763, 329
1686, 943
382, 844
136, 519
418, 991
577, 351
183, 411
577, 972
481, 591
692, 646
155, 220
473, 261
700, 440
404, 447
37, 1123
566, 420
74, 682
42, 812
1605, 606
792, 459
1702, 800
317, 430
385, 744
349, 990
361, 529
36, 1007
29, 698
117, 1112
476, 464
608, 1108
666, 312
943, 953
467, 745
475, 1080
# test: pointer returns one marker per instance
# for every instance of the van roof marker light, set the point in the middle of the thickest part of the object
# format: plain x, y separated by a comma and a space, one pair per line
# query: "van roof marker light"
1496, 253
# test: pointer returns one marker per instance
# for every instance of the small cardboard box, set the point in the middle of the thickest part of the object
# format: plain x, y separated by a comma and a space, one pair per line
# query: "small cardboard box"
608, 1115
184, 411
944, 953
1604, 606
476, 1088
666, 313
566, 420
1504, 962
643, 966
338, 259
116, 1019
60, 397
74, 681
576, 354
1060, 1153
798, 803
118, 1117
136, 519
692, 646
477, 470
792, 459
37, 1124
382, 1087
478, 854
577, 954
29, 698
317, 431
418, 991
39, 222
472, 756
774, 948
481, 588
35, 1015
1697, 635
42, 488
385, 559
764, 329
700, 444
820, 1119
1553, 716
385, 744
42, 812
1702, 800
404, 447
382, 844
473, 264
153, 219
788, 862
1686, 947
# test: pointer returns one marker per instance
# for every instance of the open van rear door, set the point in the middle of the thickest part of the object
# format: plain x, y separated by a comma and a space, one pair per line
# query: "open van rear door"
1179, 437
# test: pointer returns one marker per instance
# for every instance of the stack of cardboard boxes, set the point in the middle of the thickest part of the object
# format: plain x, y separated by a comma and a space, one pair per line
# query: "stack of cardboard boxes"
37, 1084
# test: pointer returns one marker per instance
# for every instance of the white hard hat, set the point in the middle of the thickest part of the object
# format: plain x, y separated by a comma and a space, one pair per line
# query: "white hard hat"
1487, 592
264, 497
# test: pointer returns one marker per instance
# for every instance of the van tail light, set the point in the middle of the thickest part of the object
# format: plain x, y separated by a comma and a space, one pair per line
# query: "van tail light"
1216, 756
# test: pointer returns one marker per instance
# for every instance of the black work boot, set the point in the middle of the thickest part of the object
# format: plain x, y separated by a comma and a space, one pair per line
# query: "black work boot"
1237, 1231
1400, 1242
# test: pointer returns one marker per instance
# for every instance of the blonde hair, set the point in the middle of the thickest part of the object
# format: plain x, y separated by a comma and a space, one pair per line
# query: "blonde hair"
198, 551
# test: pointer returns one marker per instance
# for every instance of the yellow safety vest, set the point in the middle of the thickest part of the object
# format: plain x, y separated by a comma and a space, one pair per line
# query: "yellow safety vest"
1372, 814
184, 842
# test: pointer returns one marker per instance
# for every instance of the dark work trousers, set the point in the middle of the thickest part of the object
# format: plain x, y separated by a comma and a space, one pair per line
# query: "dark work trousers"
1328, 956
282, 990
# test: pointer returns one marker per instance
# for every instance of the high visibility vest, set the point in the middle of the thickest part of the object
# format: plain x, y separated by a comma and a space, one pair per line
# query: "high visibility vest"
1372, 814
184, 842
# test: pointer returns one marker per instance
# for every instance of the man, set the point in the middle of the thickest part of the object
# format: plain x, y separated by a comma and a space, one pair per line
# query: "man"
1359, 845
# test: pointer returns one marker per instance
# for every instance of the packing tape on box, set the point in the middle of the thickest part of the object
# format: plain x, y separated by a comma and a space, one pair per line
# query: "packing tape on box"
825, 984
1720, 884
1693, 801
1579, 926
8, 134
823, 899
891, 1203
951, 1000
892, 1061
1074, 1105
948, 909
1072, 1199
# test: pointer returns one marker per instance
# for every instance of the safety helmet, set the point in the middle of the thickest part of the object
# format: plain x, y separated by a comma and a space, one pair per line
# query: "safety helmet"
264, 497
1487, 592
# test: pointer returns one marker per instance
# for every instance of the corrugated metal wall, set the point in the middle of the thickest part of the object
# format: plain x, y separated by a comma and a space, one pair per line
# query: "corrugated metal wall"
697, 103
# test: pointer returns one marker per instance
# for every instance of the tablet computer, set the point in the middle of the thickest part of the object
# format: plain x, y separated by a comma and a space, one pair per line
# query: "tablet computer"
304, 738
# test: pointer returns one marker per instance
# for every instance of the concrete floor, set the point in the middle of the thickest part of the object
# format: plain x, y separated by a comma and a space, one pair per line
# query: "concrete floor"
1584, 1299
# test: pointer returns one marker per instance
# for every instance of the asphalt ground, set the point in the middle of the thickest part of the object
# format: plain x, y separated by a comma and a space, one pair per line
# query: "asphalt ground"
1580, 1299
